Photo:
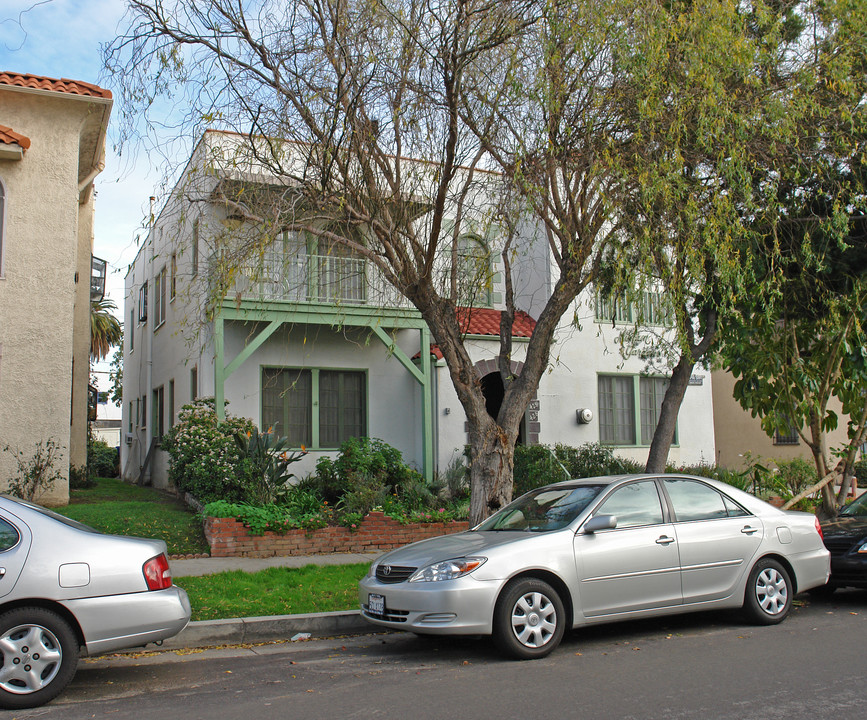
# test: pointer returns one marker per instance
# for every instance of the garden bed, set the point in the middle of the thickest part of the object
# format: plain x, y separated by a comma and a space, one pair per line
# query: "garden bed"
375, 533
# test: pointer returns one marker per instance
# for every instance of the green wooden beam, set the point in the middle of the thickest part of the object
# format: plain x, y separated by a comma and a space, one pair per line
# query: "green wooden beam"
251, 347
219, 376
398, 353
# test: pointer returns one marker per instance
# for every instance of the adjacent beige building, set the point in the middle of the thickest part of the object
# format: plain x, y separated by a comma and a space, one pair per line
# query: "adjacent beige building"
737, 433
52, 140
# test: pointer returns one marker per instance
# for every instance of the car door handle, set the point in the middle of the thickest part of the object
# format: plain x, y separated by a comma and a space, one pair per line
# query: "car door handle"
747, 530
2, 571
664, 540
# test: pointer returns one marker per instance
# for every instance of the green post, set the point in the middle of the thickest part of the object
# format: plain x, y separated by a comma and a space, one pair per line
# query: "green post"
219, 369
427, 405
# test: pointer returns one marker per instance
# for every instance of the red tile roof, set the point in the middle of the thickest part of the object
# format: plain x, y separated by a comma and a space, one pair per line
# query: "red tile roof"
9, 137
37, 82
484, 321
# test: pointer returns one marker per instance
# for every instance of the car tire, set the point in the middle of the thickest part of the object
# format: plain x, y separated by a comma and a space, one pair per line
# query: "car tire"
39, 650
768, 596
529, 619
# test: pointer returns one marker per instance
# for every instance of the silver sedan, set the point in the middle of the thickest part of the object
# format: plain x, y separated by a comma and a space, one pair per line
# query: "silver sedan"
599, 550
67, 589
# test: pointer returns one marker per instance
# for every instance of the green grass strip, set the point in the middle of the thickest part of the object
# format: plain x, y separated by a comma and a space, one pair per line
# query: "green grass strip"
275, 591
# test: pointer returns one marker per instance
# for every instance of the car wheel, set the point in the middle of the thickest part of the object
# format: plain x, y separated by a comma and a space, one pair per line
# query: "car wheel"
529, 619
40, 655
769, 593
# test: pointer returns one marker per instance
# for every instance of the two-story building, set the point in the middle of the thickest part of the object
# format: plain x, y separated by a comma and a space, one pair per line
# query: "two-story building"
310, 341
52, 139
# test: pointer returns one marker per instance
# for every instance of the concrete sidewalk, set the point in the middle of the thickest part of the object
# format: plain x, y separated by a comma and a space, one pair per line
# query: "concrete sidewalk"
239, 631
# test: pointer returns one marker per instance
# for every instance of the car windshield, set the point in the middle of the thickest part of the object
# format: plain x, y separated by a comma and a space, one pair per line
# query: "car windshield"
856, 507
543, 510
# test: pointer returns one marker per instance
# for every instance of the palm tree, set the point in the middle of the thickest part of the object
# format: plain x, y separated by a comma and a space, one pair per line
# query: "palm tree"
105, 329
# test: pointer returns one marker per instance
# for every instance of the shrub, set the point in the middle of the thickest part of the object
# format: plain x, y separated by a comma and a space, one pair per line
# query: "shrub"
102, 460
860, 471
80, 478
37, 473
537, 465
363, 462
204, 457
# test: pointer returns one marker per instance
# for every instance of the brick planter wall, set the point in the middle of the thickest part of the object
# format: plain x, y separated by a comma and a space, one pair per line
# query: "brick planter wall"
229, 538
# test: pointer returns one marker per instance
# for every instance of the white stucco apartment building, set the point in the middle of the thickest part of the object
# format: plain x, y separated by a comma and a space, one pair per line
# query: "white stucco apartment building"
312, 344
52, 138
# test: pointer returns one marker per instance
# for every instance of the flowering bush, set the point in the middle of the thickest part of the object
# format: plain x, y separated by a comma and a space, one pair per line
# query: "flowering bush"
205, 459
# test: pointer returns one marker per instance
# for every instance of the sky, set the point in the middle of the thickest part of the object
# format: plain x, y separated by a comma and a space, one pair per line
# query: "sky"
62, 39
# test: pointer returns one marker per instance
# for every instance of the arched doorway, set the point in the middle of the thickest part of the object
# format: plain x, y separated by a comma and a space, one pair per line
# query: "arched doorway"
493, 390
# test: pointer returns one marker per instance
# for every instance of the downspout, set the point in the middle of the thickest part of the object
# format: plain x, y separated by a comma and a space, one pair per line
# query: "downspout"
149, 367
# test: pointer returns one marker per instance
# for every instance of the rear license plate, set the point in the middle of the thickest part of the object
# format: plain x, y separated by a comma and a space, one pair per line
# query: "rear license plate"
376, 604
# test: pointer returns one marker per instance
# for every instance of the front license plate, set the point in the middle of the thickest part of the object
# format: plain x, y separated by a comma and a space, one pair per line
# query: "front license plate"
376, 604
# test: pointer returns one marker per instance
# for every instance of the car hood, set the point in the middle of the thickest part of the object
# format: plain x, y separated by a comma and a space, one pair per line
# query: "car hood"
446, 547
845, 527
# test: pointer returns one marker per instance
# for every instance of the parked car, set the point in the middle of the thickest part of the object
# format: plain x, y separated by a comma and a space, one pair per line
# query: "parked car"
66, 589
846, 539
596, 550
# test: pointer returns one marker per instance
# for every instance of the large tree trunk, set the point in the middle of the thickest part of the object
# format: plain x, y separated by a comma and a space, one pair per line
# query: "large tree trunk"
492, 460
663, 436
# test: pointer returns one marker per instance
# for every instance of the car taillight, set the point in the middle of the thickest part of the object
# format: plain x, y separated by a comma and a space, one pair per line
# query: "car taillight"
157, 573
819, 529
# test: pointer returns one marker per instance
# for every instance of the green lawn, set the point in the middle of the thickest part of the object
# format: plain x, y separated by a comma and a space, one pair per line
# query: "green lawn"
275, 591
120, 508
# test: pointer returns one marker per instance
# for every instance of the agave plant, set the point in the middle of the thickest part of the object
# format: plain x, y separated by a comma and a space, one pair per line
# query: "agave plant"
268, 457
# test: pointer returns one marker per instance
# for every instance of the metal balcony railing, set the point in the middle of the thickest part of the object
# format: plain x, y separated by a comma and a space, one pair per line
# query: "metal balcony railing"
316, 279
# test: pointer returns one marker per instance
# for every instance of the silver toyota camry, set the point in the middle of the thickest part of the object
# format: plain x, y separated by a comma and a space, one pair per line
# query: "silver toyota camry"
66, 589
599, 550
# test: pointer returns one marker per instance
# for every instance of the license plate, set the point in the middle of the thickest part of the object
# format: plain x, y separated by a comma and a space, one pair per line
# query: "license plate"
376, 604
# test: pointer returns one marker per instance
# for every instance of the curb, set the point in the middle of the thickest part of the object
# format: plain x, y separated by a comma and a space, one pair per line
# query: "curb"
239, 631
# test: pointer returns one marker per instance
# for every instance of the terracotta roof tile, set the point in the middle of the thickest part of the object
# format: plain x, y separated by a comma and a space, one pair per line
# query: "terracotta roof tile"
9, 137
64, 85
484, 321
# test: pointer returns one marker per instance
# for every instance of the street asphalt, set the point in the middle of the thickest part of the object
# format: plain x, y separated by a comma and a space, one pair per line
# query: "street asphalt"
240, 631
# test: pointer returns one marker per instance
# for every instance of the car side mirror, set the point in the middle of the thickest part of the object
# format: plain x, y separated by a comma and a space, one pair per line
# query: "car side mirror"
600, 522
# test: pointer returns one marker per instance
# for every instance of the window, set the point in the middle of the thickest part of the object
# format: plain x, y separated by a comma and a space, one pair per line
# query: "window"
143, 303
474, 271
144, 412
171, 404
696, 501
338, 413
195, 248
616, 410
194, 383
129, 418
788, 436
633, 505
652, 390
160, 298
613, 309
8, 536
620, 419
158, 409
173, 281
132, 329
650, 308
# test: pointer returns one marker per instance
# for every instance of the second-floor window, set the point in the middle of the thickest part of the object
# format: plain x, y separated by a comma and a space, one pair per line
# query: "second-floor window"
475, 273
143, 303
160, 297
650, 308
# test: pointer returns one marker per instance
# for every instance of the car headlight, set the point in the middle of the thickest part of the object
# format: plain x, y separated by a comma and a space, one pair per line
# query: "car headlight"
447, 570
861, 549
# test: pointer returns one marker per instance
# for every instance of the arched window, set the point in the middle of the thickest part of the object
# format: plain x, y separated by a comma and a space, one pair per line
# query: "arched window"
475, 274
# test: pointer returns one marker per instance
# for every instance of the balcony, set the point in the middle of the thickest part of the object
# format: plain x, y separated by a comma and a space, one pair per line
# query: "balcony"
316, 279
